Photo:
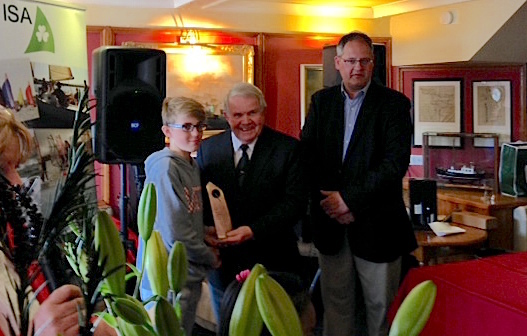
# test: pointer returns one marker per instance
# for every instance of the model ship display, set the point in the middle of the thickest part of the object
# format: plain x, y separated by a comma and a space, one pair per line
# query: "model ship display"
464, 174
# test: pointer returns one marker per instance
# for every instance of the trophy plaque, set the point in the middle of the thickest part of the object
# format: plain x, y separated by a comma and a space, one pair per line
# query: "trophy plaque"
220, 212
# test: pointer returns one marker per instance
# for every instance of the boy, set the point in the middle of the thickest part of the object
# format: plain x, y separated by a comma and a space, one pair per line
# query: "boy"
176, 177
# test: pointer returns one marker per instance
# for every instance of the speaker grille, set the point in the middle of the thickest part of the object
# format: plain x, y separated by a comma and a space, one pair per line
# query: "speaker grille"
130, 88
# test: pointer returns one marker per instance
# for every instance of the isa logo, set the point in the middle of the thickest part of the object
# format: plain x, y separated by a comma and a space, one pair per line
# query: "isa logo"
42, 37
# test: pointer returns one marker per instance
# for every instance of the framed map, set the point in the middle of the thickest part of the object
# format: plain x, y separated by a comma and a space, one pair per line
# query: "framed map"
492, 108
437, 108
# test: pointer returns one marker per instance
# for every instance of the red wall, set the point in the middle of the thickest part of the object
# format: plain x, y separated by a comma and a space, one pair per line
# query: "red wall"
404, 78
282, 58
277, 72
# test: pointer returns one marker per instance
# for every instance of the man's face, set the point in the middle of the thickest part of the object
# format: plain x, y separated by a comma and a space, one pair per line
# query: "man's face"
245, 118
355, 76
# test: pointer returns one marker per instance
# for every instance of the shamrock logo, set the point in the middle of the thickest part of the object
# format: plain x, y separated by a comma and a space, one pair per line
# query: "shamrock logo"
42, 34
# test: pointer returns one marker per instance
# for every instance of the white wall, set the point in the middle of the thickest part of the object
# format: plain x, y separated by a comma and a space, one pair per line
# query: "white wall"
417, 37
420, 37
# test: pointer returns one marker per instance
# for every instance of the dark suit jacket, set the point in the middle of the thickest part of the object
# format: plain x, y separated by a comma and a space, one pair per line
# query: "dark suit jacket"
271, 202
369, 179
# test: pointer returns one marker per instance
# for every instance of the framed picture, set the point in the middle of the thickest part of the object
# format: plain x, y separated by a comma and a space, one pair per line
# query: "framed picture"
437, 108
206, 73
311, 80
492, 109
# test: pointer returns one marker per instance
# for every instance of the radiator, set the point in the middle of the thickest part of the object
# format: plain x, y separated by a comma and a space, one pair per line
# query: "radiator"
520, 228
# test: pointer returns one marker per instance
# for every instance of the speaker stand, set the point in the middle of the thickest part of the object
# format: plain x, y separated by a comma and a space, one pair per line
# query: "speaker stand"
123, 206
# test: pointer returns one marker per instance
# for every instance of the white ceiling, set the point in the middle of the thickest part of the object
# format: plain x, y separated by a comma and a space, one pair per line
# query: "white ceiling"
366, 9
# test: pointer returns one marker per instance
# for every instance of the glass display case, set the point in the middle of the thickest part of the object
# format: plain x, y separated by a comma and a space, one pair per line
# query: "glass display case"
462, 160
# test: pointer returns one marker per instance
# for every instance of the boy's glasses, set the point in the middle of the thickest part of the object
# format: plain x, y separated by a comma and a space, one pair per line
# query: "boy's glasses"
188, 127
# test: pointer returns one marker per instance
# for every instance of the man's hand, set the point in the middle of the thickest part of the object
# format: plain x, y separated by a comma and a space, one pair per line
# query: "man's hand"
238, 236
346, 218
59, 313
335, 208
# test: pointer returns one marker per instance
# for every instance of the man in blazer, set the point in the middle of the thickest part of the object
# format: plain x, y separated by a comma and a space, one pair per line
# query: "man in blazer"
270, 200
357, 142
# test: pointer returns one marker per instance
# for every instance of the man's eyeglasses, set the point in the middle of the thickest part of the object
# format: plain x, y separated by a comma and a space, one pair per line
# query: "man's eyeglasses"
188, 127
362, 61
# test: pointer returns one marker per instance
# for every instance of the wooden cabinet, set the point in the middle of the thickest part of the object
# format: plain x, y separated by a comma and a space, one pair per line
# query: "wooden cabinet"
499, 206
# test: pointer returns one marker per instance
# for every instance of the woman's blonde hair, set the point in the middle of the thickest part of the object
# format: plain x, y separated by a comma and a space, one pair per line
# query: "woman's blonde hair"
10, 129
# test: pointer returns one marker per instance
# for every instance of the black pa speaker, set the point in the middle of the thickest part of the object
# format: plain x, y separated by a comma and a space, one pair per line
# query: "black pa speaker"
423, 202
130, 85
331, 76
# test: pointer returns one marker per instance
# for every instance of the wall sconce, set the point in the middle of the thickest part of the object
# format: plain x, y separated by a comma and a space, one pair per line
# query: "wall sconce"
189, 36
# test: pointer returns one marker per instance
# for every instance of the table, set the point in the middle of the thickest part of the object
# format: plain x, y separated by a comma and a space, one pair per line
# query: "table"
486, 296
430, 244
499, 206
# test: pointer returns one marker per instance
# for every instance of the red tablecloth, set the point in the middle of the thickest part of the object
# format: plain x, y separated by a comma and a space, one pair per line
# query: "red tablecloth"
481, 297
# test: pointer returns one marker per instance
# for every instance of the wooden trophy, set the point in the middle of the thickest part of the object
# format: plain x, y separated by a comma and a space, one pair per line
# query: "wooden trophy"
220, 212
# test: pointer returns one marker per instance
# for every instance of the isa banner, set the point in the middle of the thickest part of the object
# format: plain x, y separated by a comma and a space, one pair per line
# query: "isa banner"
43, 64
43, 73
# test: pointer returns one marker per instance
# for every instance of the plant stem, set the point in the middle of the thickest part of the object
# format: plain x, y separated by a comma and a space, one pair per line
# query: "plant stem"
140, 278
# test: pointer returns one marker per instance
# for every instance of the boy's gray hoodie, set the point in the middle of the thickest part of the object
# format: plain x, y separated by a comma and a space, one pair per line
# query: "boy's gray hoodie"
179, 212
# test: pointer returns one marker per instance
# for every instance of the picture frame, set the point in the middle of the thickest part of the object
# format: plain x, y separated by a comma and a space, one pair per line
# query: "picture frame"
437, 108
185, 77
206, 73
492, 109
311, 80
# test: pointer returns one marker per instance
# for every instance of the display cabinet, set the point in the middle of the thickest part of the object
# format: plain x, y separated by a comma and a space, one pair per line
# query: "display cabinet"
462, 160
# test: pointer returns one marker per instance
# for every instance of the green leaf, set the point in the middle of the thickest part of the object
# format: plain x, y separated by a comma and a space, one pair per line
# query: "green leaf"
131, 310
276, 307
108, 318
156, 264
177, 267
166, 320
414, 312
245, 318
146, 211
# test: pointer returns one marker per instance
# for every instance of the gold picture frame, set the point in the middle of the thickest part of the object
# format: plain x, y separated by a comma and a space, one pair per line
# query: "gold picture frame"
240, 55
205, 72
311, 80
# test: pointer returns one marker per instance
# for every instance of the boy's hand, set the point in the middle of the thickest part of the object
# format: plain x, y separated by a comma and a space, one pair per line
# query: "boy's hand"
211, 238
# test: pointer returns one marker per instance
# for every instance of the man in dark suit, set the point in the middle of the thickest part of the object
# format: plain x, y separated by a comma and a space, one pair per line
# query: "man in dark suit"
260, 174
357, 142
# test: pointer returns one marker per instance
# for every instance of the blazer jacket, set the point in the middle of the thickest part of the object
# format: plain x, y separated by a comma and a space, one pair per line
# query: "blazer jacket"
271, 202
370, 177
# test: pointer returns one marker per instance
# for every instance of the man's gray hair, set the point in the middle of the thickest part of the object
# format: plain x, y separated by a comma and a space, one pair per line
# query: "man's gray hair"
354, 36
245, 90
